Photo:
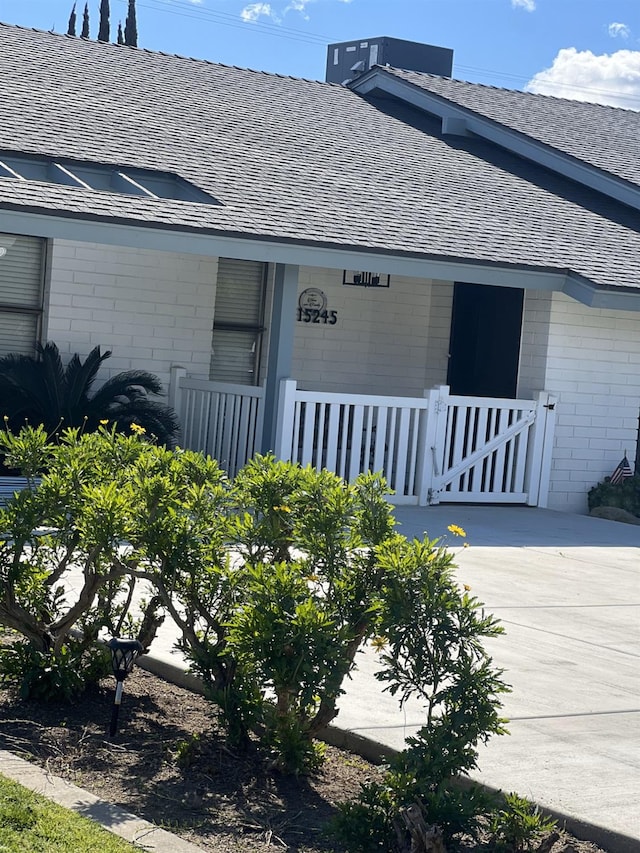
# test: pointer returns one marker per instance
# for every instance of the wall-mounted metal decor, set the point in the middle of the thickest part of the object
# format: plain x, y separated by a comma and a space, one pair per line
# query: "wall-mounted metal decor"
360, 278
312, 307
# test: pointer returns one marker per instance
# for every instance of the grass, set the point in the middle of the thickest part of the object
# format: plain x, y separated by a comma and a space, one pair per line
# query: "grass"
29, 823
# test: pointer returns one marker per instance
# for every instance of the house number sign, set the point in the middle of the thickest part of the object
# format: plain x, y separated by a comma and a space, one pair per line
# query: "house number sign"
312, 308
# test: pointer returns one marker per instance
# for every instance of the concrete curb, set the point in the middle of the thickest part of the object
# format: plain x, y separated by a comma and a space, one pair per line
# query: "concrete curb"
378, 753
145, 835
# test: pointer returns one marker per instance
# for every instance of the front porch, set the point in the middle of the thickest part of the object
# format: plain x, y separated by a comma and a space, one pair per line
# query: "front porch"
439, 448
158, 302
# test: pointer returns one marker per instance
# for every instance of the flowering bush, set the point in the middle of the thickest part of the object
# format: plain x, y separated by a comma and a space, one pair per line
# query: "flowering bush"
73, 549
275, 581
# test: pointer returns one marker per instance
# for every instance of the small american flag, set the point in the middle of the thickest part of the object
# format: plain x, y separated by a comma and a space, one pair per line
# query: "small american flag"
623, 470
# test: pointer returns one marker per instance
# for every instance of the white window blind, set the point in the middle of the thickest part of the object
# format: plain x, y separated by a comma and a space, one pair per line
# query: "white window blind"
18, 333
21, 277
237, 327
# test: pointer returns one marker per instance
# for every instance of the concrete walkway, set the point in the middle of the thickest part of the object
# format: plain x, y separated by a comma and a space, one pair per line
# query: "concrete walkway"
567, 590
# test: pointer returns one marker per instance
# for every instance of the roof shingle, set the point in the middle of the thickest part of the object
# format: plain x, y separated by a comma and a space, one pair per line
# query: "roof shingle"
293, 160
605, 137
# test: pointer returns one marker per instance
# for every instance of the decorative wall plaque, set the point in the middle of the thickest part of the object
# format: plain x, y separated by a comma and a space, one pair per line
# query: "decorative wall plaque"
312, 307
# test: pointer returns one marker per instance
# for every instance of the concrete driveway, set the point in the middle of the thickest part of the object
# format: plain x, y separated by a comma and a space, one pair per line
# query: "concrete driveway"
567, 590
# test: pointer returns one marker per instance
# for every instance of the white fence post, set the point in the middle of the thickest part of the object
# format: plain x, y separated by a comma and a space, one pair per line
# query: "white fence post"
424, 484
286, 419
176, 375
536, 452
438, 440
549, 421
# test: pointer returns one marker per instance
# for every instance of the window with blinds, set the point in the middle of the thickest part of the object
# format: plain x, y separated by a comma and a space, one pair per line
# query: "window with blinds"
238, 321
21, 287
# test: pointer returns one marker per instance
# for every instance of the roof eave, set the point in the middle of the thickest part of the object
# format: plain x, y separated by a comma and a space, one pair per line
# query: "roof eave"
305, 253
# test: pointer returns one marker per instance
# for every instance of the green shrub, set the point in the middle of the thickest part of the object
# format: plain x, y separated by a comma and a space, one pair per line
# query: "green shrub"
63, 675
275, 581
304, 578
518, 825
111, 510
625, 495
431, 635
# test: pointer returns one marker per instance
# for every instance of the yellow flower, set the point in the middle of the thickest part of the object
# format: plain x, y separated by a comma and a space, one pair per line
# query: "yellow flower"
456, 530
282, 509
104, 422
467, 587
379, 643
466, 545
140, 430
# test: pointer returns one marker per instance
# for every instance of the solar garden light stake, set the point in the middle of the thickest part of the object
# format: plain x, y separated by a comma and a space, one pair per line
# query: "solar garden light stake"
123, 655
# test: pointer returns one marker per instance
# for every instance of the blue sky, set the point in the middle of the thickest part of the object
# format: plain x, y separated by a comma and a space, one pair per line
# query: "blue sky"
586, 49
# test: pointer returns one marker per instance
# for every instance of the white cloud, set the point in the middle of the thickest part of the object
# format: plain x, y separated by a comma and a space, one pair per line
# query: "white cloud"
298, 6
617, 30
254, 11
612, 79
527, 5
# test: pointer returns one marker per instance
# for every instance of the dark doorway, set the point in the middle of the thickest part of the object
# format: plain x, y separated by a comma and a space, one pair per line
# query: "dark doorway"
484, 349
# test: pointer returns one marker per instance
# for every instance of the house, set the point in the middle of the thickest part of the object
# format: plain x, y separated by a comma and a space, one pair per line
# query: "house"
366, 242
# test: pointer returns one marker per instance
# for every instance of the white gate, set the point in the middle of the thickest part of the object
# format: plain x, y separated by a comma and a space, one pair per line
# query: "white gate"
492, 450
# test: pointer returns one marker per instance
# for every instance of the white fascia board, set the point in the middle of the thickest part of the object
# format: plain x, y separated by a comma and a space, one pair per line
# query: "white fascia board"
271, 251
600, 297
462, 121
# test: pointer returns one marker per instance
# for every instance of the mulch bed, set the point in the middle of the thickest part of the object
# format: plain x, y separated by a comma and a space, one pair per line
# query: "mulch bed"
169, 764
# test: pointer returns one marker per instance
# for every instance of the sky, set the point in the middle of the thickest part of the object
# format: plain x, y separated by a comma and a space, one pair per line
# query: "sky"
583, 49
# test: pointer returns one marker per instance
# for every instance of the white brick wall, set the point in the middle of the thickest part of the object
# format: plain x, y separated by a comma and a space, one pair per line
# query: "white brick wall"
593, 365
439, 331
381, 343
534, 343
151, 309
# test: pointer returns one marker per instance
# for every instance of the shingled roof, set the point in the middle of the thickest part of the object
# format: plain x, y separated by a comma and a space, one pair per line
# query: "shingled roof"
294, 161
602, 136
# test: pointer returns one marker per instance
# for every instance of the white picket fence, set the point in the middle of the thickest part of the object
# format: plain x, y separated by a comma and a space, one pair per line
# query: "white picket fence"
222, 420
431, 449
353, 433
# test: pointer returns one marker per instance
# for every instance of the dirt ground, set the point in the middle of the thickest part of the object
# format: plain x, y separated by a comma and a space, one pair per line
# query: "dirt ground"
169, 764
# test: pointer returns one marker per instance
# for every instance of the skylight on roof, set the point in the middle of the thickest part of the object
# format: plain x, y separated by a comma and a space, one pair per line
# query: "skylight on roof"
102, 177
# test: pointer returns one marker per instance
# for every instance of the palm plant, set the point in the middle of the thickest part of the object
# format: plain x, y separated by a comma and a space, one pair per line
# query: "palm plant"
41, 390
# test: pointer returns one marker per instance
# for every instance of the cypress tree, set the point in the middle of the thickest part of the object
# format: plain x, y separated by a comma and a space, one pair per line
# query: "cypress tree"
71, 29
85, 22
120, 33
103, 31
131, 26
